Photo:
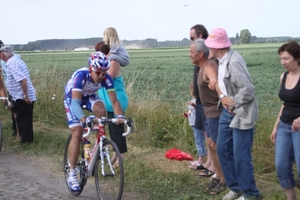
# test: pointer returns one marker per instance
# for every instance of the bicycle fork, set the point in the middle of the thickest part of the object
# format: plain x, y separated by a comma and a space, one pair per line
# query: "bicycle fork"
104, 152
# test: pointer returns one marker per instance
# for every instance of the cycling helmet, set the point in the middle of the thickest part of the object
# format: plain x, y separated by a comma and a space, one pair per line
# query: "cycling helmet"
98, 61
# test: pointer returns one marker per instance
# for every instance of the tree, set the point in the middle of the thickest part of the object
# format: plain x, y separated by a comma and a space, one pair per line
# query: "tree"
245, 36
237, 38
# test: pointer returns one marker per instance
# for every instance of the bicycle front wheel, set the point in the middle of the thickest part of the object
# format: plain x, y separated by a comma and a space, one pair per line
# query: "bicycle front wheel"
80, 167
109, 177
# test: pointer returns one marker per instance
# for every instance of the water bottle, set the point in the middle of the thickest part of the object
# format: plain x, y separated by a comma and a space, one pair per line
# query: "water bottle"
87, 149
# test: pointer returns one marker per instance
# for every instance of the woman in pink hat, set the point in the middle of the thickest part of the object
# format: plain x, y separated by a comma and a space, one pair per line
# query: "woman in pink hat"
238, 117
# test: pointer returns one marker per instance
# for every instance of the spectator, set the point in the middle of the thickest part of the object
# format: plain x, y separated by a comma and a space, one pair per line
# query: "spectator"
102, 47
20, 87
191, 114
238, 117
207, 79
117, 51
3, 69
118, 56
286, 131
198, 31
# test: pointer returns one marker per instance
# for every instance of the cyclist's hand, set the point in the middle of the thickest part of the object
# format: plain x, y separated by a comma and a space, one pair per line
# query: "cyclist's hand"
89, 121
120, 119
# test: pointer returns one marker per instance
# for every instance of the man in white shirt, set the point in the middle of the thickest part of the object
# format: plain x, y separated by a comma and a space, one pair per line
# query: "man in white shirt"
19, 86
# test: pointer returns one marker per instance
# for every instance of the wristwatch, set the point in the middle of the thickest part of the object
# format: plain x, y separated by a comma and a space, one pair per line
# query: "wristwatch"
25, 96
221, 96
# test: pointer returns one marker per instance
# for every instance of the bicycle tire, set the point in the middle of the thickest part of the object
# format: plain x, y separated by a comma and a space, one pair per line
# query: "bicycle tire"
109, 186
1, 136
80, 166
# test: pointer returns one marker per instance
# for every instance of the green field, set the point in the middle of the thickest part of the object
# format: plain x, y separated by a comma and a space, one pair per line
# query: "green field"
164, 74
157, 82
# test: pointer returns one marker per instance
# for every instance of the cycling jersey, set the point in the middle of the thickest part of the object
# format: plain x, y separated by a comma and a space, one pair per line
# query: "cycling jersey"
81, 80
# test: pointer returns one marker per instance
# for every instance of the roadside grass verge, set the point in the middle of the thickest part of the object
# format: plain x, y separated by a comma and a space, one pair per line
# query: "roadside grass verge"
147, 171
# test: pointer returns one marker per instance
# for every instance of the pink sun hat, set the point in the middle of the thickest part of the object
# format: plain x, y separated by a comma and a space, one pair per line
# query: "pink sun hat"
218, 39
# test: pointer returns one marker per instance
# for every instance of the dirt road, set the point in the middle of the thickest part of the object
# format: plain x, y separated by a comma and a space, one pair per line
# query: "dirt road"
25, 178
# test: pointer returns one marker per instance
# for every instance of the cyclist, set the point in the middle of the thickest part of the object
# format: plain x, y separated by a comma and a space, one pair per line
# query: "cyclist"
81, 90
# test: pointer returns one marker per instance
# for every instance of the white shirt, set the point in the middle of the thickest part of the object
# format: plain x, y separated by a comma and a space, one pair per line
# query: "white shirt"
16, 72
221, 73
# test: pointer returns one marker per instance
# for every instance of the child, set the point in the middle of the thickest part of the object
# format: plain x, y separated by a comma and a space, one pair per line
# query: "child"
117, 51
198, 134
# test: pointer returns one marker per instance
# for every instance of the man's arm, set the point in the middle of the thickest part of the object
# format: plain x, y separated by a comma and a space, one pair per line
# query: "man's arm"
2, 89
211, 75
25, 91
241, 80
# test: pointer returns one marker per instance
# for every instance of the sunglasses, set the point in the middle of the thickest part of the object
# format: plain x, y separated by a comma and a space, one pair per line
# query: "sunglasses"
100, 73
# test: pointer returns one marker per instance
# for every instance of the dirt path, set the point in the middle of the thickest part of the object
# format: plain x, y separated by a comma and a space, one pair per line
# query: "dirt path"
25, 178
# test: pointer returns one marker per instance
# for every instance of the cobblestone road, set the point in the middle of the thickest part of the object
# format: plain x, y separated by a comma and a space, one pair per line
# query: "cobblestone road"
24, 178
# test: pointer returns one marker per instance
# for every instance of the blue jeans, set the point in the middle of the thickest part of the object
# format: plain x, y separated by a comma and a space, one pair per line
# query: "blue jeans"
234, 151
199, 142
287, 151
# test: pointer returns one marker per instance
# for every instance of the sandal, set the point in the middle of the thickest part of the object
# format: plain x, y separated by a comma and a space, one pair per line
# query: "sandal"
200, 167
218, 188
212, 184
194, 164
206, 173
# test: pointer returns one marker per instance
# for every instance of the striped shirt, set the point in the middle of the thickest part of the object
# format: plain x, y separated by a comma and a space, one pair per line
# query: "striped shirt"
3, 65
15, 73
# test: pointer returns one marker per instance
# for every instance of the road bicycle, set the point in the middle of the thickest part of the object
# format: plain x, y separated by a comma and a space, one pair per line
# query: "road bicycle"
109, 179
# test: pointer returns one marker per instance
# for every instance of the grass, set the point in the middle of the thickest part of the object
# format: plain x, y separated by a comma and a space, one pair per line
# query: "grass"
157, 85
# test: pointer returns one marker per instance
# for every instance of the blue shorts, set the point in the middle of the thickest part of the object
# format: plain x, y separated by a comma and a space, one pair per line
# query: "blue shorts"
88, 101
212, 126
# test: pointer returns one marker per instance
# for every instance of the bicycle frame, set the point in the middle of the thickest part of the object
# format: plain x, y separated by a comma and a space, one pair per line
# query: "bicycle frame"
96, 151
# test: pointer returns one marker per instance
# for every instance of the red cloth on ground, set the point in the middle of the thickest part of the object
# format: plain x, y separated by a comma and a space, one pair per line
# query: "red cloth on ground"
176, 154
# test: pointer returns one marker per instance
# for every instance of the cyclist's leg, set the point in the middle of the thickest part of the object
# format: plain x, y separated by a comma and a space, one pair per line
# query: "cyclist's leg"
74, 147
95, 105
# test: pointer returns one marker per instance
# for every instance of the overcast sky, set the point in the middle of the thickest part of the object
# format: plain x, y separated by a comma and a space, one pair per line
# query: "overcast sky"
30, 20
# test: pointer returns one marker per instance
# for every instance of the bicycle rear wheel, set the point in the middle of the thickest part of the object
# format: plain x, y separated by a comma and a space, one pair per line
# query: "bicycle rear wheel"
80, 167
1, 136
109, 180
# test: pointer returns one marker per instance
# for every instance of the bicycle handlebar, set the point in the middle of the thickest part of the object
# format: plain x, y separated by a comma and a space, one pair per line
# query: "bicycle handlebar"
103, 120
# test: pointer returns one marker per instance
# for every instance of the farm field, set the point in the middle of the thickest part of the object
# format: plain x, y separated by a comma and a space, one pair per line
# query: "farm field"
164, 74
157, 83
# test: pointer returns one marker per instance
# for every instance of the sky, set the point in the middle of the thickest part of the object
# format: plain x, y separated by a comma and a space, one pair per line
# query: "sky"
23, 21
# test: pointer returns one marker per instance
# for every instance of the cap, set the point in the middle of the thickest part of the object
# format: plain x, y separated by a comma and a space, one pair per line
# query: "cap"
6, 48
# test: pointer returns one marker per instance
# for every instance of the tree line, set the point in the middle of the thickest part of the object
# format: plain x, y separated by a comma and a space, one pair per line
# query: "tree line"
244, 37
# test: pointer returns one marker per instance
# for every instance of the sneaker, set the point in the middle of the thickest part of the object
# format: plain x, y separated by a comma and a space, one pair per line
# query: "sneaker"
73, 184
231, 195
241, 198
219, 188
